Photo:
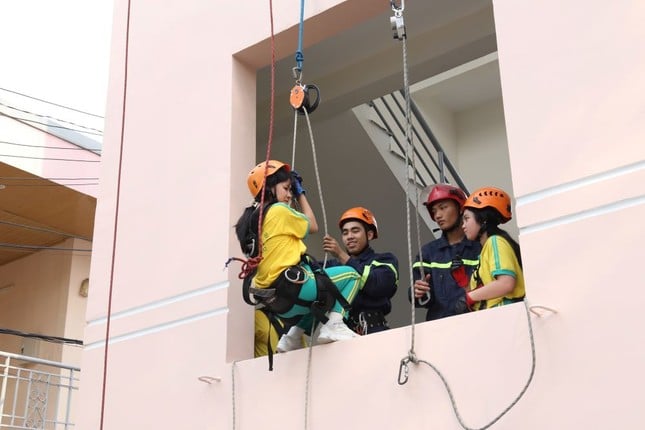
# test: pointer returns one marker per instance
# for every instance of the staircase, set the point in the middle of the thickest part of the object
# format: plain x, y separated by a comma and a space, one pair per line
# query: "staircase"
384, 120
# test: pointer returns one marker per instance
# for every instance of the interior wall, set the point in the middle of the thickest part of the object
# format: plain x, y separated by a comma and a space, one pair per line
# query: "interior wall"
442, 122
482, 159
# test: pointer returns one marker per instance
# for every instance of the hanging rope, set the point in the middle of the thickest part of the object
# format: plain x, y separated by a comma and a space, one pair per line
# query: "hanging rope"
300, 58
403, 373
116, 216
398, 28
253, 262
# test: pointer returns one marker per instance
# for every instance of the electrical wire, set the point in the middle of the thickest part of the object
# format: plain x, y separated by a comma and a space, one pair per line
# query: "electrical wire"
50, 158
53, 339
44, 230
18, 178
73, 184
50, 117
50, 125
50, 147
51, 103
42, 248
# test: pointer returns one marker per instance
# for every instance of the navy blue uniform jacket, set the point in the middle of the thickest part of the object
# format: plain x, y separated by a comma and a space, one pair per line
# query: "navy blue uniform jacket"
380, 274
437, 260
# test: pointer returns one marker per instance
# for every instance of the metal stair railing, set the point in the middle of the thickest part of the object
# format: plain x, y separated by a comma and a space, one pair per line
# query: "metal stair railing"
432, 165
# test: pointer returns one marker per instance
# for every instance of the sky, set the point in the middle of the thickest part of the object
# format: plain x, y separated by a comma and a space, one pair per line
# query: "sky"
56, 50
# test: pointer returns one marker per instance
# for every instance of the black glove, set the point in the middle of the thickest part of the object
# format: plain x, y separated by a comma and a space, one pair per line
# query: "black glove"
296, 184
461, 307
464, 304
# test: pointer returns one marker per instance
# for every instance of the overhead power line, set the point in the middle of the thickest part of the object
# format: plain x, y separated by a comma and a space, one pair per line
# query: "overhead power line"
51, 103
50, 159
40, 247
18, 178
44, 229
50, 125
54, 339
50, 147
75, 184
51, 117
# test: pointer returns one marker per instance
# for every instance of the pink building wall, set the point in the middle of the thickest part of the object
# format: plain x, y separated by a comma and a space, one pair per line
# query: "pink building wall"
170, 194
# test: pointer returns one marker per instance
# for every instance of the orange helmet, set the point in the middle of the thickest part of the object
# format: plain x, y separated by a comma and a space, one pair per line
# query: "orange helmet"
491, 197
443, 192
360, 214
255, 180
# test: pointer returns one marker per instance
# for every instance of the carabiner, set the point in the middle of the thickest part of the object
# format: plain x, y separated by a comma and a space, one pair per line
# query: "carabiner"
396, 8
299, 276
296, 72
403, 371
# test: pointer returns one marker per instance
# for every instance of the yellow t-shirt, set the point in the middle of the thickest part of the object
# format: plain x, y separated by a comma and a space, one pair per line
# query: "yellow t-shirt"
283, 229
497, 258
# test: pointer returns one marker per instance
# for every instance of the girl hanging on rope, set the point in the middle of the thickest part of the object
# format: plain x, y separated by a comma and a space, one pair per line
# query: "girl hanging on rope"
287, 282
498, 280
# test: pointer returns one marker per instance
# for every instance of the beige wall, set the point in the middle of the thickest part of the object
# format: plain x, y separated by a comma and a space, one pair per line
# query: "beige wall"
44, 300
483, 151
174, 312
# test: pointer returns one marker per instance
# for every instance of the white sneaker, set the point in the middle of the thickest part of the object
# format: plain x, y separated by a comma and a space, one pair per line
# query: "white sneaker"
291, 341
334, 331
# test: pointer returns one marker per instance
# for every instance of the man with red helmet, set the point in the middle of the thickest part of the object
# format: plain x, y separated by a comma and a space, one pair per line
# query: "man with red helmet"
442, 273
379, 271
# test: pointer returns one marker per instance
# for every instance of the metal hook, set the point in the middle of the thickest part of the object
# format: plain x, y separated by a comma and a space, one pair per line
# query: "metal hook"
533, 309
403, 371
395, 8
297, 74
425, 299
209, 379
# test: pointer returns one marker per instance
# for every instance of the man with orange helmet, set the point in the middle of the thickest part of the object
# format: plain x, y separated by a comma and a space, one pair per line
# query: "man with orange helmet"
442, 273
498, 279
379, 271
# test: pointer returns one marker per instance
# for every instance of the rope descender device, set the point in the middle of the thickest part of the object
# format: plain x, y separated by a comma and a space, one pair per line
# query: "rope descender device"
302, 97
396, 21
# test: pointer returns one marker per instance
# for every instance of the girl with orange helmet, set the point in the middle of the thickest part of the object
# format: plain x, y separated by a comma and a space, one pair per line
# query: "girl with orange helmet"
498, 280
284, 280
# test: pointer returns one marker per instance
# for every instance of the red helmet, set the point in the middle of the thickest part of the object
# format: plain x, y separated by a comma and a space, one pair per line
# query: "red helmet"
491, 197
255, 180
443, 192
360, 214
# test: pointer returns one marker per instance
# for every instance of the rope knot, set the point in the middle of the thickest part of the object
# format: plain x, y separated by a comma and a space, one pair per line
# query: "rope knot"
247, 265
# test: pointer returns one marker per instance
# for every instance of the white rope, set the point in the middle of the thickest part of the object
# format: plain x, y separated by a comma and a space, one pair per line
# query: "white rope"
293, 146
308, 378
324, 214
320, 193
517, 398
409, 147
233, 391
